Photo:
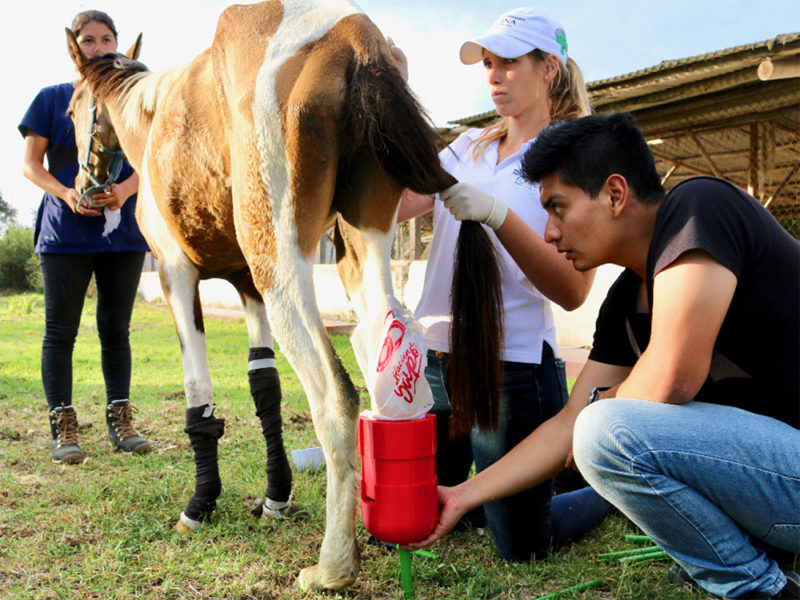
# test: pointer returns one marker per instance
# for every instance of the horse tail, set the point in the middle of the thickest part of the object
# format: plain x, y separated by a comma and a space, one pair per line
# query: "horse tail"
386, 117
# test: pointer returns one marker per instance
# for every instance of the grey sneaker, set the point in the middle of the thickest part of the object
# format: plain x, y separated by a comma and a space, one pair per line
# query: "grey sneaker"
64, 429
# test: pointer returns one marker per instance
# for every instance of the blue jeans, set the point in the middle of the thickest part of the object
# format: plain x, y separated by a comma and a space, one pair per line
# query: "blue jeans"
532, 522
704, 481
66, 278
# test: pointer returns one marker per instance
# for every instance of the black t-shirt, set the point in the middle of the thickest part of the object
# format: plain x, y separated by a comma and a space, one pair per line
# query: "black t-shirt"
621, 333
759, 339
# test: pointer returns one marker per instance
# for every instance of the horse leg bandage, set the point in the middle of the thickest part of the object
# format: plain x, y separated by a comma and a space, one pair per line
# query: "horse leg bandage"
204, 433
265, 387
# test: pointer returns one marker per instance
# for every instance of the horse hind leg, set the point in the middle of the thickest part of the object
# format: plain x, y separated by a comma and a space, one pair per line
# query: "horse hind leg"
334, 406
179, 280
265, 389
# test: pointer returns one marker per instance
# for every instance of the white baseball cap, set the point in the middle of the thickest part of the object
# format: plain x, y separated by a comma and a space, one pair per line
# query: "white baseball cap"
517, 33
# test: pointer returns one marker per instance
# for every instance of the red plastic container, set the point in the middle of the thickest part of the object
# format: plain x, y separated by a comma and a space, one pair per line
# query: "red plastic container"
399, 503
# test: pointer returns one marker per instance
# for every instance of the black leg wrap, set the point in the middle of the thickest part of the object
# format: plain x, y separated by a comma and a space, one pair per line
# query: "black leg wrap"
203, 435
265, 387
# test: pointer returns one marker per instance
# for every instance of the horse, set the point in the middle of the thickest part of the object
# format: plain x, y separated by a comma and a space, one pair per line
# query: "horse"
296, 119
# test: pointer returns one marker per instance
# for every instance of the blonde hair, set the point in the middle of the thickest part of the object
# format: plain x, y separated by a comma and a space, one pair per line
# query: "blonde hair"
567, 99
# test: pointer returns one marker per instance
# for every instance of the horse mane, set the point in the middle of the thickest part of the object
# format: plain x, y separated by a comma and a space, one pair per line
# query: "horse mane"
136, 89
385, 115
106, 74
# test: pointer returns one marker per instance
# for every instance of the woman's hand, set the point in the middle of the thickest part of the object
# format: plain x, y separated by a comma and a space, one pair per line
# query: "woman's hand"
72, 198
467, 202
451, 509
110, 197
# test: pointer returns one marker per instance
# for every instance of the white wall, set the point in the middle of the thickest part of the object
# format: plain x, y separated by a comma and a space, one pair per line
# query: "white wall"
574, 328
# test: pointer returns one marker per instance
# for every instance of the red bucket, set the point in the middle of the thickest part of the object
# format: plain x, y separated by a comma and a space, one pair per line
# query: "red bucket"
399, 503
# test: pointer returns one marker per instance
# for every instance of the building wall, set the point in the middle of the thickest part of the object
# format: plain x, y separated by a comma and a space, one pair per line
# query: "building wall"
574, 328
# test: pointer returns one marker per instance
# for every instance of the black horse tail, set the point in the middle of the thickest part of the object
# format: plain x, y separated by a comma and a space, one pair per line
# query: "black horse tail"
389, 120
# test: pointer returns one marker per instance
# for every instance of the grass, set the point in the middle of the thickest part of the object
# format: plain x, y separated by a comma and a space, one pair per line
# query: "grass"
103, 529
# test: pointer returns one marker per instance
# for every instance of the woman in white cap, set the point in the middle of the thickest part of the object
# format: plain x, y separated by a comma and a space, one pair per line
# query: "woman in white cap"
532, 82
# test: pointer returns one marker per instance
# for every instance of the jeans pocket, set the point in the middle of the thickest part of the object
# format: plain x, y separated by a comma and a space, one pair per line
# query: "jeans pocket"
561, 375
785, 536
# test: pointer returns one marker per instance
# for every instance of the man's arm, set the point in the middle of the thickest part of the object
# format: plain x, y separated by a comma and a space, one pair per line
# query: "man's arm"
690, 300
537, 458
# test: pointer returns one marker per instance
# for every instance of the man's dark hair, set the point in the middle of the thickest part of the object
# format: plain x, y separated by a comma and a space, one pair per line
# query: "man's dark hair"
586, 151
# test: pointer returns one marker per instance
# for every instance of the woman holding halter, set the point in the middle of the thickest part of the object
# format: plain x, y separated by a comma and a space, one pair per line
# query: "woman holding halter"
532, 82
76, 238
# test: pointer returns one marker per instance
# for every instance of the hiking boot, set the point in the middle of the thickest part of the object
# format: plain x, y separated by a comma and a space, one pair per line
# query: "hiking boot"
119, 418
64, 429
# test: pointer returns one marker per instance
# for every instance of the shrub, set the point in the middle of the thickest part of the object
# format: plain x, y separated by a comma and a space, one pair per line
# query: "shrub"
19, 266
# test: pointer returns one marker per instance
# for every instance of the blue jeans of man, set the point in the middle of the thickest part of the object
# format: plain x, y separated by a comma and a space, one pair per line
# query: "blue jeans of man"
532, 522
703, 481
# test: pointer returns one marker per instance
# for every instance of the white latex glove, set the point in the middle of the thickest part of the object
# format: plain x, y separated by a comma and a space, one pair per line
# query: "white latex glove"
469, 203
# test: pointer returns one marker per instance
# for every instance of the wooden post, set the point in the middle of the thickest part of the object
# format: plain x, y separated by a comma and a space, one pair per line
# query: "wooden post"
753, 182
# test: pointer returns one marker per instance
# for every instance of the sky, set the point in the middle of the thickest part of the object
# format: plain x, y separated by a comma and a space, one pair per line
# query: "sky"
606, 38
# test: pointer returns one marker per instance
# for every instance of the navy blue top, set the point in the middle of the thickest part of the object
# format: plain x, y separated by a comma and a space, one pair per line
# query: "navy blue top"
58, 229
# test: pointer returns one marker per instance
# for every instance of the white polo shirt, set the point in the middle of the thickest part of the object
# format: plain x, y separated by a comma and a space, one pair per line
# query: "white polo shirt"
528, 316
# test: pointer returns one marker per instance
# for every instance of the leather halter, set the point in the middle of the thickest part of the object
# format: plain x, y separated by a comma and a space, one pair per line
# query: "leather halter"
113, 170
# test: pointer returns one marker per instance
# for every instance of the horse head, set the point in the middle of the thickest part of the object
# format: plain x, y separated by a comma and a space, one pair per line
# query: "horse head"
100, 154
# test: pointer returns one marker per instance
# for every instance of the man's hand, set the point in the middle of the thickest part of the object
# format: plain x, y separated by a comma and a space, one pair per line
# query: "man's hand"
451, 509
469, 203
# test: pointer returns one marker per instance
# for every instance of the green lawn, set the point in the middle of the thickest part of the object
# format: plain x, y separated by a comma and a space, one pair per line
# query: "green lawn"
103, 529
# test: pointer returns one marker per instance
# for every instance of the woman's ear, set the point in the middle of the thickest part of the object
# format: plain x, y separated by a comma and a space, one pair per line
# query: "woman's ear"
551, 66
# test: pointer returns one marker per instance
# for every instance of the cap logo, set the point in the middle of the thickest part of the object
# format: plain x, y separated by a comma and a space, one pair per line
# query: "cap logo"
561, 38
510, 20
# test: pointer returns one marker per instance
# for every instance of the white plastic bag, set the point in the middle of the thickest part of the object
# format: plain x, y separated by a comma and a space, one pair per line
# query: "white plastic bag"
390, 351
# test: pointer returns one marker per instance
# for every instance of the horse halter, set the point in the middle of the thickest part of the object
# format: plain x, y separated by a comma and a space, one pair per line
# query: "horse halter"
113, 170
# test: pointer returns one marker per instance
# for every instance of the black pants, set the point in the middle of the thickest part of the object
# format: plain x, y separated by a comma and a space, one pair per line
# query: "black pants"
66, 278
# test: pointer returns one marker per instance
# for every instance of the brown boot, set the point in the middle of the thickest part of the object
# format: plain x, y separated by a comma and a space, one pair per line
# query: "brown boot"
64, 429
119, 419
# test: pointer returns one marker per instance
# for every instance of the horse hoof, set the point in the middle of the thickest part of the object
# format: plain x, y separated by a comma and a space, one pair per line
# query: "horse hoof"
316, 579
181, 528
293, 512
186, 525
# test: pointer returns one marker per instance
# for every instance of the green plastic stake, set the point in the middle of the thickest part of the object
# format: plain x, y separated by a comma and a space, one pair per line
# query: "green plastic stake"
419, 552
405, 573
631, 552
575, 588
643, 557
638, 538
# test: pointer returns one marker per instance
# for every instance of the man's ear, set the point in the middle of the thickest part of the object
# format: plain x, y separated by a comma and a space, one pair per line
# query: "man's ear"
134, 50
619, 193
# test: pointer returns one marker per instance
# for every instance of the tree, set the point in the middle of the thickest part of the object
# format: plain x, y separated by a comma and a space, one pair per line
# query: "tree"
8, 214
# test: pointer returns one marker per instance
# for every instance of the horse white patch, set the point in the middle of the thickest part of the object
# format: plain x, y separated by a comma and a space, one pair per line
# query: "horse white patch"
304, 21
372, 294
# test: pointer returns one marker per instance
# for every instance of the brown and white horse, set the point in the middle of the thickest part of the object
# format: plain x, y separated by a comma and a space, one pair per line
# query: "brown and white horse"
295, 119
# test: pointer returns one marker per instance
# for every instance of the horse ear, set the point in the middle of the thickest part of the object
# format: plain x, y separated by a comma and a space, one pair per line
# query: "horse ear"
75, 52
134, 50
